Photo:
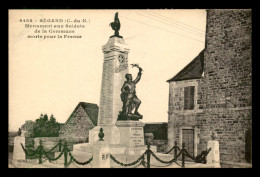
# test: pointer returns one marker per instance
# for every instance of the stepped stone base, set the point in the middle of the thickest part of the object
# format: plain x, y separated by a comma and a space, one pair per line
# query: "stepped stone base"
112, 134
127, 154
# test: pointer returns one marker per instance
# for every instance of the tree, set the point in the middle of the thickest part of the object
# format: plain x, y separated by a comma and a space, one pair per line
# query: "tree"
45, 127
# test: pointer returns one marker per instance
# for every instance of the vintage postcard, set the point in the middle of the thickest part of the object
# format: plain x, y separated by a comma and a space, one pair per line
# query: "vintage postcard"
114, 88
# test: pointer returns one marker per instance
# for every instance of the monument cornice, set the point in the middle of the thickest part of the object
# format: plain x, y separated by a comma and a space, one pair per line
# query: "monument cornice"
115, 44
129, 123
117, 48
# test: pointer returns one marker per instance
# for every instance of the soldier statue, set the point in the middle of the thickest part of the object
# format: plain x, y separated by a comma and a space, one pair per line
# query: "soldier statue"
128, 95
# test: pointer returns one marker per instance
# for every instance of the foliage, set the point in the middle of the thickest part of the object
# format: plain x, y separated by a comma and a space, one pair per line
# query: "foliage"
45, 127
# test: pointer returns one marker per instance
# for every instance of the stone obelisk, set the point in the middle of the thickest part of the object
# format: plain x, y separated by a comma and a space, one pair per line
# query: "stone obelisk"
115, 66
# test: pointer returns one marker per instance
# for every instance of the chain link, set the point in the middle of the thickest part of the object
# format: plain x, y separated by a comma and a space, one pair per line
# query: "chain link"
129, 164
52, 148
162, 161
172, 149
80, 163
141, 163
188, 155
26, 152
53, 159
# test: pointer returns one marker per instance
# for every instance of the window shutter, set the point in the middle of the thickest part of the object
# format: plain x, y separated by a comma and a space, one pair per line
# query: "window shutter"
186, 98
192, 97
189, 98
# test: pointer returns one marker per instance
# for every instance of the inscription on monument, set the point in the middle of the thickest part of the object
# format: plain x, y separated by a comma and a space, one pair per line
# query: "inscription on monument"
121, 67
105, 156
136, 136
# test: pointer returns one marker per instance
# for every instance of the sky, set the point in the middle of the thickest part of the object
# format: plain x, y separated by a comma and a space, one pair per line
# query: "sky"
53, 75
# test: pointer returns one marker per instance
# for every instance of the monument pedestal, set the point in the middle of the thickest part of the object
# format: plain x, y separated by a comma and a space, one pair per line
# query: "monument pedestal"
101, 155
213, 156
18, 153
131, 133
112, 134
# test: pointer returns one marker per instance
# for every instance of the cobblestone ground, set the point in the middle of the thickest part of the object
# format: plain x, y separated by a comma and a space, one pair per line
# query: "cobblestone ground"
47, 164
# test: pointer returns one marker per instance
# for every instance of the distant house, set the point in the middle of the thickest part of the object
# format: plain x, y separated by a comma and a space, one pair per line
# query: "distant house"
28, 127
82, 119
156, 134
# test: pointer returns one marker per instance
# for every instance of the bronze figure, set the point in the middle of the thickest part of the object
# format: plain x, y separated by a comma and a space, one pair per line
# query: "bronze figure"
129, 98
115, 25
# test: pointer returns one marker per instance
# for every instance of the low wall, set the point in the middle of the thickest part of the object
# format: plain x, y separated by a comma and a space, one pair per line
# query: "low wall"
161, 145
29, 142
47, 142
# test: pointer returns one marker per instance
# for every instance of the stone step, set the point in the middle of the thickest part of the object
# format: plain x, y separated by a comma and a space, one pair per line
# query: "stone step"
83, 147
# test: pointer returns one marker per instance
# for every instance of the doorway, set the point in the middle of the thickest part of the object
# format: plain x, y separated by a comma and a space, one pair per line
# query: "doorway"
188, 139
248, 146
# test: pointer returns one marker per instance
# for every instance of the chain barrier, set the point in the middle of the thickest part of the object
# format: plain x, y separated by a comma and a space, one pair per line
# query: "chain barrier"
53, 159
201, 158
129, 164
41, 151
65, 151
26, 152
144, 164
141, 163
175, 147
80, 163
167, 162
188, 155
52, 148
31, 149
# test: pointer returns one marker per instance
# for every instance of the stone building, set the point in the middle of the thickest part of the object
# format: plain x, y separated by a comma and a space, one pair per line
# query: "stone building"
213, 92
82, 119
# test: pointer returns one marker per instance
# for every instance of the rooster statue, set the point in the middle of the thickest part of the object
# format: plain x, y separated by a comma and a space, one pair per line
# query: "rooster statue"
115, 25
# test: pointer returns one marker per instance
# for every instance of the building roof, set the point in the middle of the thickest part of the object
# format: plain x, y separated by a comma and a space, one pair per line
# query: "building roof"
193, 70
90, 109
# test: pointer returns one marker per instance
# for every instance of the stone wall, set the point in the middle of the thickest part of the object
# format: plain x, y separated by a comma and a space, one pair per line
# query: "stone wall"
224, 97
231, 126
226, 90
160, 144
47, 142
227, 59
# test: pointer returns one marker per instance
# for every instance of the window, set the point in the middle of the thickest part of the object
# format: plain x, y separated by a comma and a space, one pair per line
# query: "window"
189, 97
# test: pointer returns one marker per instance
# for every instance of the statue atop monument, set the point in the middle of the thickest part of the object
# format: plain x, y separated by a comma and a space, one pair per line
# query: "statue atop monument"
116, 26
129, 98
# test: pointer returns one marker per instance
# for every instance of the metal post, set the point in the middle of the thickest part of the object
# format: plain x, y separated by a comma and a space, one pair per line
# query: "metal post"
148, 155
40, 148
65, 154
183, 155
175, 149
59, 145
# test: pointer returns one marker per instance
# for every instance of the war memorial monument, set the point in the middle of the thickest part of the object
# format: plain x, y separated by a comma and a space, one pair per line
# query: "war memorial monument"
118, 109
